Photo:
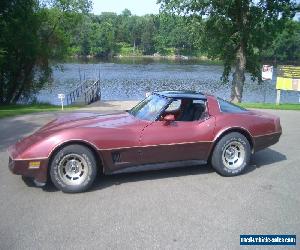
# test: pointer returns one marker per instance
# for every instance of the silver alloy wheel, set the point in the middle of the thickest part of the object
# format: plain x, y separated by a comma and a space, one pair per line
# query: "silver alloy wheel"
73, 169
233, 155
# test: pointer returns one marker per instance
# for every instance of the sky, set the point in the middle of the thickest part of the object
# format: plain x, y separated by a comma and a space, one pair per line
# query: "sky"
137, 7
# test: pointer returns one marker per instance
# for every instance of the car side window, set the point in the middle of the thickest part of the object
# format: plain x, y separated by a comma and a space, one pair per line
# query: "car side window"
228, 107
187, 110
174, 106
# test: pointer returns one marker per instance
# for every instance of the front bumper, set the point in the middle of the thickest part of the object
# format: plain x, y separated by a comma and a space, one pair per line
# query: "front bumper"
25, 168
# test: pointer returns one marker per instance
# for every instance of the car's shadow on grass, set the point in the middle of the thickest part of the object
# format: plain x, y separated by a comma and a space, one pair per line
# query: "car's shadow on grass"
260, 159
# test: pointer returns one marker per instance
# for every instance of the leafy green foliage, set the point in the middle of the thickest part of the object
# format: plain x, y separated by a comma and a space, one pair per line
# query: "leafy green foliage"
20, 41
166, 34
286, 46
236, 31
239, 32
176, 32
31, 35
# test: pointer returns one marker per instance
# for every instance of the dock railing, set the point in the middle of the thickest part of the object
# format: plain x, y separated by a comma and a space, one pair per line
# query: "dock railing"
87, 92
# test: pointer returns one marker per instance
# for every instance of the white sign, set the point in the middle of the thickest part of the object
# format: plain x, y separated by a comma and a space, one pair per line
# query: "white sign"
61, 97
267, 72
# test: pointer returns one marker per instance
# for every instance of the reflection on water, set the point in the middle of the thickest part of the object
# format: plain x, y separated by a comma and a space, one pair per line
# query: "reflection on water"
130, 79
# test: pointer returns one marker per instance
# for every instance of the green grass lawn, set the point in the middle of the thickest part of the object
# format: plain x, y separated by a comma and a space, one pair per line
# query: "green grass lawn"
13, 110
284, 106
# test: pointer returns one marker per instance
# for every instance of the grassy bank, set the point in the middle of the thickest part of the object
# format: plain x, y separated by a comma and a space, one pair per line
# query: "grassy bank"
13, 110
284, 106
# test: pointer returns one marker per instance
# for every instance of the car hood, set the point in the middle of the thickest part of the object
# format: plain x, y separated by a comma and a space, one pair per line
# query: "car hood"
75, 120
79, 121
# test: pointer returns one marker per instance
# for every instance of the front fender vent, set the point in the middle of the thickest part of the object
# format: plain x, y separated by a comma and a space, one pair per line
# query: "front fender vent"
116, 157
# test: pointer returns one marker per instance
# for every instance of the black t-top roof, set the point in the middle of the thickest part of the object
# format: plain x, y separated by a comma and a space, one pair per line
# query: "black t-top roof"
181, 94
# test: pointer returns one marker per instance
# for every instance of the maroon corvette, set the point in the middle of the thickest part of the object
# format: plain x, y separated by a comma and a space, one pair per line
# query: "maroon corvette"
167, 129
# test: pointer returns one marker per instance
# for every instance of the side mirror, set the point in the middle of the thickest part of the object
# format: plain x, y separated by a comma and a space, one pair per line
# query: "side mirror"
168, 119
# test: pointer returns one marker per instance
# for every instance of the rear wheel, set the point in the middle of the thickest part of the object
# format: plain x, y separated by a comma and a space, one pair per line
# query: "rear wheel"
73, 169
231, 155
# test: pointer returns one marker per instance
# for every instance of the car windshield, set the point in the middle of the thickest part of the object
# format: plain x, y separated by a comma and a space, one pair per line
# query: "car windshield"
150, 108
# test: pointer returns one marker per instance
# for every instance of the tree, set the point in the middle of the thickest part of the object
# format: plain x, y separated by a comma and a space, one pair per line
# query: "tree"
147, 36
126, 13
19, 40
80, 35
286, 46
174, 32
236, 31
102, 37
135, 28
32, 33
103, 34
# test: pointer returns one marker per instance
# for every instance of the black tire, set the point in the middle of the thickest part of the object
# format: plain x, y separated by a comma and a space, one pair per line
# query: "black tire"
73, 169
231, 155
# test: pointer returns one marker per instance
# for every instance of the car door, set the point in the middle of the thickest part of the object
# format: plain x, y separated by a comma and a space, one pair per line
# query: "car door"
176, 141
123, 142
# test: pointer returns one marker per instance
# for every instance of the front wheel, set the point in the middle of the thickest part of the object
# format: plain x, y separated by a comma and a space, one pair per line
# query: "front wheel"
231, 155
73, 169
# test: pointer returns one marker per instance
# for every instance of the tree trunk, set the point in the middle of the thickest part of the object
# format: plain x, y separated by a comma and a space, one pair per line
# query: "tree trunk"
25, 82
1, 88
239, 75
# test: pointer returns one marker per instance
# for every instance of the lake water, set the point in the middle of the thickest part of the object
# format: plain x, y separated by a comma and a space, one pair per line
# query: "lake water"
129, 80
